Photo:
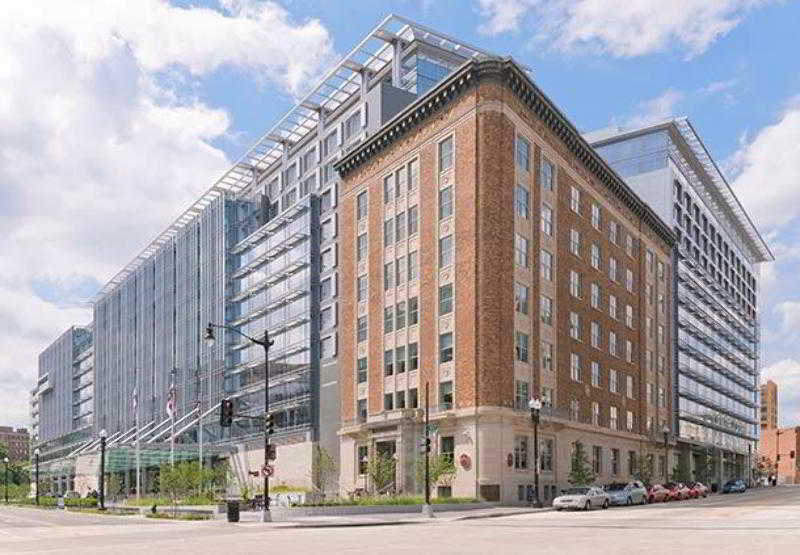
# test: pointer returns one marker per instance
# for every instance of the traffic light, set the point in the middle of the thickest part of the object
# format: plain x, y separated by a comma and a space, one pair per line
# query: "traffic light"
226, 413
270, 424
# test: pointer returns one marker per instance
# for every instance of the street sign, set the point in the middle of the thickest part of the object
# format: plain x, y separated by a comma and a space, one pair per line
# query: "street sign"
267, 470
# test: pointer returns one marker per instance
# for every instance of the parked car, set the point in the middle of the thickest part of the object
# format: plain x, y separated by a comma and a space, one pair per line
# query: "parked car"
699, 490
581, 498
631, 493
657, 494
677, 491
734, 486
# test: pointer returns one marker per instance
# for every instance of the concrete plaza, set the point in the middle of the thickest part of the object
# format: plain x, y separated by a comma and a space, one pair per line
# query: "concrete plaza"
764, 521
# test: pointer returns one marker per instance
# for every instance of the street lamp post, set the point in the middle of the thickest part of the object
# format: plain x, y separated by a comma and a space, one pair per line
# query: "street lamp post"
749, 465
266, 343
5, 460
535, 405
36, 470
666, 453
102, 469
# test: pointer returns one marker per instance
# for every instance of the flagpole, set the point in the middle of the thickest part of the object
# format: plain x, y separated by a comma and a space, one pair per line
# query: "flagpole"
172, 440
200, 431
138, 462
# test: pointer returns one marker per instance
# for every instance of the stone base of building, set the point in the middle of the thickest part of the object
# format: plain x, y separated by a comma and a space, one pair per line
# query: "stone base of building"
492, 453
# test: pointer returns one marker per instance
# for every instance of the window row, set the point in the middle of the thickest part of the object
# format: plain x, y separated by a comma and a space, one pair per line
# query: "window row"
394, 317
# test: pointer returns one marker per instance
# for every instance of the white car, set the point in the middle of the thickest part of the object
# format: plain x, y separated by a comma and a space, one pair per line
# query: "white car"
581, 498
631, 493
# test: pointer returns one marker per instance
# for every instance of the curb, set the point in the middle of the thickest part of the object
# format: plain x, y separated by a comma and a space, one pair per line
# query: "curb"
509, 513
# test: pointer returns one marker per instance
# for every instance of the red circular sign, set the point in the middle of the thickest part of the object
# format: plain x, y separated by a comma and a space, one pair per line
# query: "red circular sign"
267, 470
465, 461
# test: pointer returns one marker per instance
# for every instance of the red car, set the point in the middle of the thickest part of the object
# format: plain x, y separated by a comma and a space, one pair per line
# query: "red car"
699, 490
657, 494
677, 491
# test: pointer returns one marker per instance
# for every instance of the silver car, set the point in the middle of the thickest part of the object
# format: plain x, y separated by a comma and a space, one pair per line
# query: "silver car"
631, 493
581, 498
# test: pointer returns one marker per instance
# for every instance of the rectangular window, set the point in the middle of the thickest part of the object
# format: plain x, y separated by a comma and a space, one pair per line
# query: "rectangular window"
615, 461
446, 154
649, 260
574, 410
629, 245
523, 153
361, 329
612, 381
612, 343
447, 448
575, 326
595, 297
388, 401
547, 355
446, 395
326, 288
613, 232
660, 334
612, 269
351, 125
597, 459
575, 367
361, 203
521, 347
613, 418
400, 226
413, 311
388, 189
413, 265
520, 250
629, 280
413, 220
650, 398
575, 242
400, 315
595, 256
446, 202
546, 452
388, 362
522, 201
595, 216
629, 386
629, 421
546, 265
648, 326
413, 357
522, 394
401, 270
413, 174
400, 400
520, 452
629, 316
546, 310
445, 251
388, 276
662, 398
388, 319
363, 459
445, 347
521, 298
547, 220
329, 144
595, 335
361, 370
612, 306
575, 284
446, 299
547, 396
361, 286
575, 200
628, 351
413, 399
400, 359
596, 374
400, 182
388, 232
547, 174
661, 271
361, 247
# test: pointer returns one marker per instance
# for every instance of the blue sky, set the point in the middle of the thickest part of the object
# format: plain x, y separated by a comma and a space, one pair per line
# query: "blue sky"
115, 116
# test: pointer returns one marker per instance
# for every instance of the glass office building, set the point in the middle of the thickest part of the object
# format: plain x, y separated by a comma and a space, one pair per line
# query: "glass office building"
717, 258
258, 251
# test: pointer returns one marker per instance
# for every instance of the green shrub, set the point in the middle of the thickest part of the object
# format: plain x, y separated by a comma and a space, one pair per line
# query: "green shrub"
287, 488
384, 501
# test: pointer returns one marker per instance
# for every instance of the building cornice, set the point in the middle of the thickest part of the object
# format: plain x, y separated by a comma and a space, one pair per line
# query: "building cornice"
508, 72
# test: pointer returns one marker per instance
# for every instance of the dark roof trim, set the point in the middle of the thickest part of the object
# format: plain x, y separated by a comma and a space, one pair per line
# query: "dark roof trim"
508, 72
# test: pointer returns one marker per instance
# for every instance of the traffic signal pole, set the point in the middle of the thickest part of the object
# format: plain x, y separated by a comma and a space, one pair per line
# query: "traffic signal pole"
427, 510
267, 343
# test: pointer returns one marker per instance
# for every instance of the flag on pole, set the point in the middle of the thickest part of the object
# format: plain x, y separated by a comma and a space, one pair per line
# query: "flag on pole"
135, 399
171, 401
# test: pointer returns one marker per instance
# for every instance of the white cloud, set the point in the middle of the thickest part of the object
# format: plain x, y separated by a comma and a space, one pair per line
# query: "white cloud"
786, 373
622, 28
654, 110
768, 183
99, 151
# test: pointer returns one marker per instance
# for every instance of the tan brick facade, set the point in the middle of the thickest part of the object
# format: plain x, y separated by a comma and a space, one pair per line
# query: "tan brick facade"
484, 119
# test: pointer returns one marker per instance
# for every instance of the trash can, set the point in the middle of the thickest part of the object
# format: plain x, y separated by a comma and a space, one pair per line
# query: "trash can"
233, 511
714, 487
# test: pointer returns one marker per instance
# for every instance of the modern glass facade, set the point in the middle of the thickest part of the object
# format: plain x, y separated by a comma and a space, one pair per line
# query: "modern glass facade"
717, 365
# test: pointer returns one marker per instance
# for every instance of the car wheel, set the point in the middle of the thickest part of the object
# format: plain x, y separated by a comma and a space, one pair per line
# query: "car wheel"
644, 501
628, 501
559, 509
605, 504
666, 498
587, 506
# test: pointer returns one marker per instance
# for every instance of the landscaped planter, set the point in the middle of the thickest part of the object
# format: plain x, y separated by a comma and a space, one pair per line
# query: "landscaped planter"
284, 514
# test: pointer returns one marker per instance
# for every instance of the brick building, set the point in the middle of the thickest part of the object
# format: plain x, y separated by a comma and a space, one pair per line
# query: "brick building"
769, 405
779, 449
488, 251
16, 443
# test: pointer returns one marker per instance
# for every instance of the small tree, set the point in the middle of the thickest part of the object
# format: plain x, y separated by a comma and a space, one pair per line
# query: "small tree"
441, 470
645, 470
681, 472
581, 473
703, 470
325, 472
381, 471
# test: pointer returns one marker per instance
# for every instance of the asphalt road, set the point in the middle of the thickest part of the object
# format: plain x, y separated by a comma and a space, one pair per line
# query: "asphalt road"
761, 521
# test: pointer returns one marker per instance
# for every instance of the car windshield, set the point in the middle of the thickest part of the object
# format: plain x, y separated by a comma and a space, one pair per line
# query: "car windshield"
576, 491
732, 482
615, 487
